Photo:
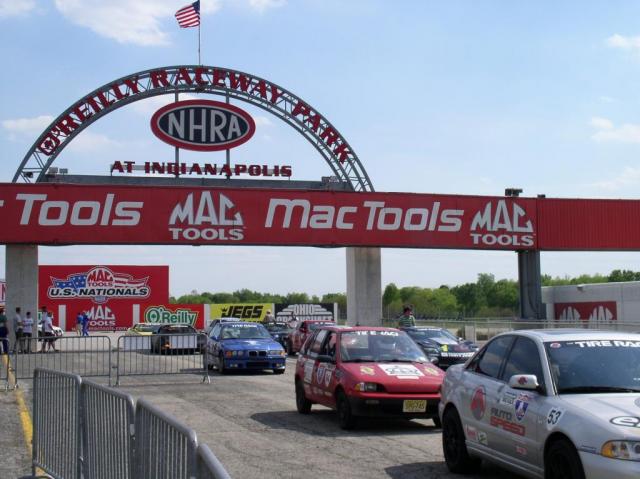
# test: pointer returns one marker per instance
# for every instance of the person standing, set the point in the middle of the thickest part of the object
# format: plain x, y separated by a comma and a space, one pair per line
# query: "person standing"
27, 332
85, 324
269, 318
18, 327
407, 320
79, 322
4, 342
47, 331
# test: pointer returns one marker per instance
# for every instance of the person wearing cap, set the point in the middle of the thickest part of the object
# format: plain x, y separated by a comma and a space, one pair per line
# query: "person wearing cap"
4, 332
407, 320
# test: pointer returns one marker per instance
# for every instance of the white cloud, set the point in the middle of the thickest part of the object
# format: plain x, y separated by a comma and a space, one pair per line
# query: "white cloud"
607, 131
607, 99
262, 121
629, 177
27, 126
88, 142
625, 43
138, 22
148, 106
12, 8
263, 5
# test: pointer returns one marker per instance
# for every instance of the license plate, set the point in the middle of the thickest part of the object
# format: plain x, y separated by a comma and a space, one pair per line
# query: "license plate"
414, 405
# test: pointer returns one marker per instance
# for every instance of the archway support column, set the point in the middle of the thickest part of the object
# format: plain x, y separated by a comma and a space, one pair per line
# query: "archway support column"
530, 283
22, 282
364, 287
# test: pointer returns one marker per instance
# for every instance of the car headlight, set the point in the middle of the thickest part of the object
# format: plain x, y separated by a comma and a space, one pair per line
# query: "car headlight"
233, 354
627, 450
277, 352
369, 387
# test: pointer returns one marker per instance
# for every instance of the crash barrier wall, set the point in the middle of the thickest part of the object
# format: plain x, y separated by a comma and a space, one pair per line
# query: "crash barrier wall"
93, 356
85, 430
161, 354
87, 356
483, 330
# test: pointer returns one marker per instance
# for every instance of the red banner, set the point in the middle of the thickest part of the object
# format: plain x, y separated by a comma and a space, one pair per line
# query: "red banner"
598, 311
76, 214
106, 293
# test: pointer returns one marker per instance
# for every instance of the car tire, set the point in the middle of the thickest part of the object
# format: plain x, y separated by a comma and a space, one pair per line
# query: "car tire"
455, 451
561, 461
303, 405
221, 368
437, 422
346, 418
289, 349
278, 371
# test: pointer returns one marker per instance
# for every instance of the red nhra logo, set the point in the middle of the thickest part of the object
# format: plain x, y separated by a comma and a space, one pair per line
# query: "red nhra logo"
202, 125
478, 403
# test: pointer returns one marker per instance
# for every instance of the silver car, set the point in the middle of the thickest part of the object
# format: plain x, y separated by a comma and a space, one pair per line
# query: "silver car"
558, 404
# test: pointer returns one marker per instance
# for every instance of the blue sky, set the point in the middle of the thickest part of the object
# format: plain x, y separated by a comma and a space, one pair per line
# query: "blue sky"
434, 96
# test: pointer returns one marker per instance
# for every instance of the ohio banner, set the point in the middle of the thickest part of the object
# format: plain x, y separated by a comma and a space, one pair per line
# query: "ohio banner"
244, 311
324, 311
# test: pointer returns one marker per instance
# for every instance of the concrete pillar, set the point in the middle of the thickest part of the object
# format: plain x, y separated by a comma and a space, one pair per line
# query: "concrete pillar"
22, 282
531, 306
364, 287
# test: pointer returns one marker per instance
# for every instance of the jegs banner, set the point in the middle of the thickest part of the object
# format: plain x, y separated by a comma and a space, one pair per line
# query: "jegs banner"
244, 311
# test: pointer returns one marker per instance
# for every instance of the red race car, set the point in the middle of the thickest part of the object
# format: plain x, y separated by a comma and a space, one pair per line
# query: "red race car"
366, 371
302, 332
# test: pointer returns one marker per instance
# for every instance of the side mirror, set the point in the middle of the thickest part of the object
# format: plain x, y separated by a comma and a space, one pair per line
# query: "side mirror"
527, 382
325, 358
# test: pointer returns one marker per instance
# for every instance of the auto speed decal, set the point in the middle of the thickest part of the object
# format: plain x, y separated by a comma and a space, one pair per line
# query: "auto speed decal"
478, 403
401, 371
504, 420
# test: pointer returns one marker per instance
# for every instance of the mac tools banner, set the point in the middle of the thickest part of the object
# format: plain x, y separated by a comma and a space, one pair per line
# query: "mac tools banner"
107, 293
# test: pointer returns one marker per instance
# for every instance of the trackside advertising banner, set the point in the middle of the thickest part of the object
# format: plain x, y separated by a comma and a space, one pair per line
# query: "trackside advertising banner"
106, 293
244, 311
84, 214
598, 311
324, 311
192, 314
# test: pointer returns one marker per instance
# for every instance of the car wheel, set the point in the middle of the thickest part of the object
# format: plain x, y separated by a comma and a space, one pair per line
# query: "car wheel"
302, 403
289, 349
561, 461
345, 417
437, 422
278, 371
453, 445
221, 368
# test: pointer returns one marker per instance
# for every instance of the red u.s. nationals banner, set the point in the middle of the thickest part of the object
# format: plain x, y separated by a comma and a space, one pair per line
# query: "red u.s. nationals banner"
75, 214
106, 293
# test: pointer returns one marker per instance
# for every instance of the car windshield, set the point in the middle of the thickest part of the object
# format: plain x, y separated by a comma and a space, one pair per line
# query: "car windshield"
595, 365
314, 326
145, 328
431, 333
177, 330
277, 328
379, 346
244, 331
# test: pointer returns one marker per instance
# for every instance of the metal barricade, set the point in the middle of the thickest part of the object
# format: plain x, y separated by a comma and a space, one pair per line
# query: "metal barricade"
57, 434
161, 354
87, 356
165, 448
208, 465
108, 430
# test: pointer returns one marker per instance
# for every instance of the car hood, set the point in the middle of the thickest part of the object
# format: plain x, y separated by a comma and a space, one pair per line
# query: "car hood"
398, 377
239, 344
621, 411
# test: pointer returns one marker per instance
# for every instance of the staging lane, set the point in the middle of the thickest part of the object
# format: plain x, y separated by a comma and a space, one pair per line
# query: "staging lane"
251, 423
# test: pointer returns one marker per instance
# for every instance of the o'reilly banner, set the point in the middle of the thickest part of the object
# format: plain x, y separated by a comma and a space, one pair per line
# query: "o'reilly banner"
324, 311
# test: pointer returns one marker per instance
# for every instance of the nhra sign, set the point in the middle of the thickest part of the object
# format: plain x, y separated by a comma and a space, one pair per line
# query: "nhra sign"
593, 311
192, 314
245, 311
106, 293
202, 125
57, 214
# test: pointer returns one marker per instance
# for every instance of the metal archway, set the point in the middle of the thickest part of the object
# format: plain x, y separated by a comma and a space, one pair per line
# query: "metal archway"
197, 79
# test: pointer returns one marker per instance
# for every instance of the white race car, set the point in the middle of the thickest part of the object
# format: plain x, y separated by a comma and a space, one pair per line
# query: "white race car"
553, 404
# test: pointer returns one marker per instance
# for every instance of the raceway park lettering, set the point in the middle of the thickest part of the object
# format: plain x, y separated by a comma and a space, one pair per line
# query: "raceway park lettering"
78, 214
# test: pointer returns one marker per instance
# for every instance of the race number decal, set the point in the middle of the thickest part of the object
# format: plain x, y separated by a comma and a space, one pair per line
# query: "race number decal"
554, 417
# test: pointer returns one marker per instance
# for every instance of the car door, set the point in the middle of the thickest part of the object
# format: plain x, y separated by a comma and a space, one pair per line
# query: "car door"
525, 408
480, 392
324, 375
213, 343
312, 388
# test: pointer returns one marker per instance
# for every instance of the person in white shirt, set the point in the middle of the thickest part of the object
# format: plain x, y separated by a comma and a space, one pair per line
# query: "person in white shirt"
27, 332
18, 327
47, 331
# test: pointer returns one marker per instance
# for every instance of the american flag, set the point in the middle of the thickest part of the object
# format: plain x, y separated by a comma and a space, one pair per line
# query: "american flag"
189, 16
74, 281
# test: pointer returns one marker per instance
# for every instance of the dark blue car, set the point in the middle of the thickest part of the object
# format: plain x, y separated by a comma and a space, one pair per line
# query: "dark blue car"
243, 346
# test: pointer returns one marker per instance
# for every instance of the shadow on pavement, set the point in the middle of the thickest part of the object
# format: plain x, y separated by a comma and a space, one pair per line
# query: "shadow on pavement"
324, 422
438, 470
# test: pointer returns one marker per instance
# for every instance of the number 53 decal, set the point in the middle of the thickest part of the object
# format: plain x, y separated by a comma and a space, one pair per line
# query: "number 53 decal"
553, 417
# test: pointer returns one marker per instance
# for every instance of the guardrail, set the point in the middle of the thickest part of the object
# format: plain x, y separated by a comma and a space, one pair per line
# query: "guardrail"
85, 430
161, 354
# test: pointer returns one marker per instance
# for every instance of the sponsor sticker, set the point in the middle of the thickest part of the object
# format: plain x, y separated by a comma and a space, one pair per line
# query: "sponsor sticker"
401, 371
555, 345
508, 399
626, 421
472, 433
482, 438
521, 404
520, 450
367, 370
478, 403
